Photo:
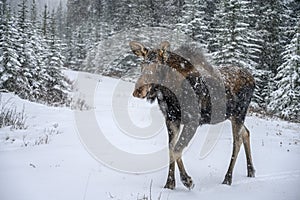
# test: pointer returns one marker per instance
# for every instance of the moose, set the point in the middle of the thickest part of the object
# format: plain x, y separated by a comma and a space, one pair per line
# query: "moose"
185, 99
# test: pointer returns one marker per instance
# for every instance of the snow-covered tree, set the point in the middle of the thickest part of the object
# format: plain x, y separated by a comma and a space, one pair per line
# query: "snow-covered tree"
10, 65
45, 21
232, 39
272, 27
25, 52
269, 28
286, 98
69, 51
27, 62
33, 13
36, 48
60, 20
80, 49
56, 85
193, 21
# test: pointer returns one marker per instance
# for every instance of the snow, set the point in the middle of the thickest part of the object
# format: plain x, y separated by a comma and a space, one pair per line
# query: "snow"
64, 169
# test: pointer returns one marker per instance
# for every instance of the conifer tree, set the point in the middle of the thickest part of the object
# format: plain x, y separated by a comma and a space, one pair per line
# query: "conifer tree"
10, 66
194, 22
33, 13
30, 65
56, 84
286, 98
60, 15
80, 49
233, 39
45, 19
24, 80
270, 31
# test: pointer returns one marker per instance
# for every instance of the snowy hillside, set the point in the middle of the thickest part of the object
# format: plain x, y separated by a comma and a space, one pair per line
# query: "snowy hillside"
49, 161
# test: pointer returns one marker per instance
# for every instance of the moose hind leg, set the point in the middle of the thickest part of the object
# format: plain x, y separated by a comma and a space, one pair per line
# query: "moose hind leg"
246, 142
237, 141
173, 131
170, 184
185, 178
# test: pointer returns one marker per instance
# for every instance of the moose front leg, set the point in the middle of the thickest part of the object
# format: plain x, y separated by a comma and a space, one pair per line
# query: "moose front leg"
173, 131
187, 134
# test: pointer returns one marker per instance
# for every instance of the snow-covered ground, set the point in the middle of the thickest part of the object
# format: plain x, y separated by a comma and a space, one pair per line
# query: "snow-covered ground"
48, 160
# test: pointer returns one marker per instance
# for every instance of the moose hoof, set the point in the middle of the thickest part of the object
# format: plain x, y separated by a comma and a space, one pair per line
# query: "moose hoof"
227, 180
187, 182
251, 173
170, 185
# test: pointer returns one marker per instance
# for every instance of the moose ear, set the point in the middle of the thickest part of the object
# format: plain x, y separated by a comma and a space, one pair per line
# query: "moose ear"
138, 49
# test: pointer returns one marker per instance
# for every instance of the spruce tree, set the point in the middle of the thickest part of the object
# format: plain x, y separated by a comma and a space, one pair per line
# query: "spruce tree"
33, 13
37, 48
286, 98
30, 65
192, 20
59, 15
24, 81
80, 49
56, 85
233, 41
45, 21
10, 66
268, 23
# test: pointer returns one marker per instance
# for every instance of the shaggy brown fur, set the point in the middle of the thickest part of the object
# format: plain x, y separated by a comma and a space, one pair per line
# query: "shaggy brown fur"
186, 97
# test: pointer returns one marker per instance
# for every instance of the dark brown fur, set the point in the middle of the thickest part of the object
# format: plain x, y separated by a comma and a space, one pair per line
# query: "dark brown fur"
171, 79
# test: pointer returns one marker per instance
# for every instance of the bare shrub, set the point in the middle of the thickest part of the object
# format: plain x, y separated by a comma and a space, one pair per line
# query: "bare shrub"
79, 104
10, 116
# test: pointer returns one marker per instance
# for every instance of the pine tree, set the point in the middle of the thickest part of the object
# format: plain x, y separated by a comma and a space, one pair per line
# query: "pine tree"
45, 19
3, 8
37, 48
267, 20
10, 65
69, 51
233, 39
79, 49
286, 99
60, 21
269, 26
192, 21
24, 81
33, 13
27, 68
56, 85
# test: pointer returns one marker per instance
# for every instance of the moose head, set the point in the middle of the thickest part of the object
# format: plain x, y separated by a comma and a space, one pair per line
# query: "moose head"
160, 67
159, 56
